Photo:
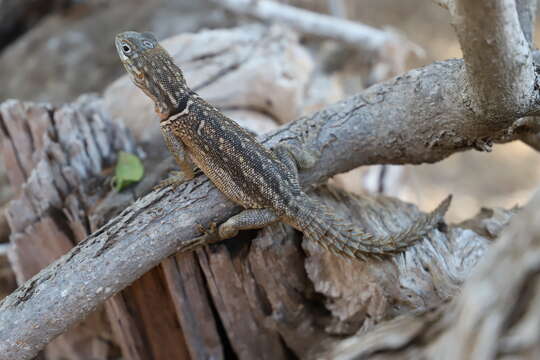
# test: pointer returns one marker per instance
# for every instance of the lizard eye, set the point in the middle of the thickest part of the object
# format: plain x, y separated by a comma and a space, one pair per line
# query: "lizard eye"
148, 44
125, 48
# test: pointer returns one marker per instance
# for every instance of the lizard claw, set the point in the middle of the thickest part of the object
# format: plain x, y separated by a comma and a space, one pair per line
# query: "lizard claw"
176, 179
211, 234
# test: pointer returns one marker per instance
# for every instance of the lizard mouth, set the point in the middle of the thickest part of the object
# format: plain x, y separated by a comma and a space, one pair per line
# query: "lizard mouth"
128, 63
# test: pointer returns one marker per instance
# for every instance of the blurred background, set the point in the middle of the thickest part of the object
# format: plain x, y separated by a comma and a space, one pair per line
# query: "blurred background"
55, 50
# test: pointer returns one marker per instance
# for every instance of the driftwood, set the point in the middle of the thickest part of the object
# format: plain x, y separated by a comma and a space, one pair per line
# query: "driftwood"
385, 50
422, 116
495, 316
360, 36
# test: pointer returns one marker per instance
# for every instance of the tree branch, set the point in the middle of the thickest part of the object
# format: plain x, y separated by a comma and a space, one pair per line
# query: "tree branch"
4, 249
360, 36
526, 10
489, 30
337, 8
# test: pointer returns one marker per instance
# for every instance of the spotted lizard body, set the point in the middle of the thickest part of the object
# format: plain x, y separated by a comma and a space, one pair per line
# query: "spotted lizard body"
264, 181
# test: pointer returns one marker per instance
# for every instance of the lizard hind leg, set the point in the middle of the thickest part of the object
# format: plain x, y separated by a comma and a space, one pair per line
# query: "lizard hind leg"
246, 220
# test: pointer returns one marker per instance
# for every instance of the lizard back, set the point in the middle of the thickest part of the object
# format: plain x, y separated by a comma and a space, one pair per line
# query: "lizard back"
243, 169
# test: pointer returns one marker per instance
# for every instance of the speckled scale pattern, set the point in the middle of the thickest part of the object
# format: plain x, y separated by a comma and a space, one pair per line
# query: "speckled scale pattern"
264, 182
243, 169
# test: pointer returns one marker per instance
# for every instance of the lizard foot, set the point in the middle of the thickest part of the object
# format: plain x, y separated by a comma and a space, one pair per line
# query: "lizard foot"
194, 244
176, 179
211, 234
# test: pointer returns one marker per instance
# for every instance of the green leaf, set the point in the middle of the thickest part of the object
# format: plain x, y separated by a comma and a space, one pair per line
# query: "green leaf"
129, 169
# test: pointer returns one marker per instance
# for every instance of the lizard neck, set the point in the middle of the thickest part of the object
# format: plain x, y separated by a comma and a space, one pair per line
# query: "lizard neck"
162, 80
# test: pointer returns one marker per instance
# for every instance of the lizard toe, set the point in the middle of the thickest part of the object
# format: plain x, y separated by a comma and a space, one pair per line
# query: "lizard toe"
176, 179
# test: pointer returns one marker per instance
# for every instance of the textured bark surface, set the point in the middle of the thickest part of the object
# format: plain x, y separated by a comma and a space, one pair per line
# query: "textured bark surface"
526, 10
277, 295
363, 37
51, 151
489, 30
494, 316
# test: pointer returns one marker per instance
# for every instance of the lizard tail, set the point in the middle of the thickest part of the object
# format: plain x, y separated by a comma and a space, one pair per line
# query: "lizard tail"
347, 240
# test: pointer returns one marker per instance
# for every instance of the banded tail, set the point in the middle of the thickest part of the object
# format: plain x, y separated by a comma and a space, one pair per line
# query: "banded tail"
350, 241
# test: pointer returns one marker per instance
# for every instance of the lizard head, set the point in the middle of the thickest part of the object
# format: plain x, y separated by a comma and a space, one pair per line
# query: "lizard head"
152, 69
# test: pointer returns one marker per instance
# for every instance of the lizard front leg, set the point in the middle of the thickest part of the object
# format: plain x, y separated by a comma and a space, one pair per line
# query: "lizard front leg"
176, 147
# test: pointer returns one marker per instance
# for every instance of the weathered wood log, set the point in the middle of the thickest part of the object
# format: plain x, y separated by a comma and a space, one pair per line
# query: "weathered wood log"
494, 316
51, 158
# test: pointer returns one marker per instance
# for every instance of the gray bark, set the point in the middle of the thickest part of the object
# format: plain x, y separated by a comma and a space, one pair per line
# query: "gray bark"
487, 31
526, 10
360, 36
3, 249
495, 316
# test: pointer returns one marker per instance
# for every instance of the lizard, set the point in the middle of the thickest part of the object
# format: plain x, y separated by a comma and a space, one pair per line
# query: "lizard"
263, 181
